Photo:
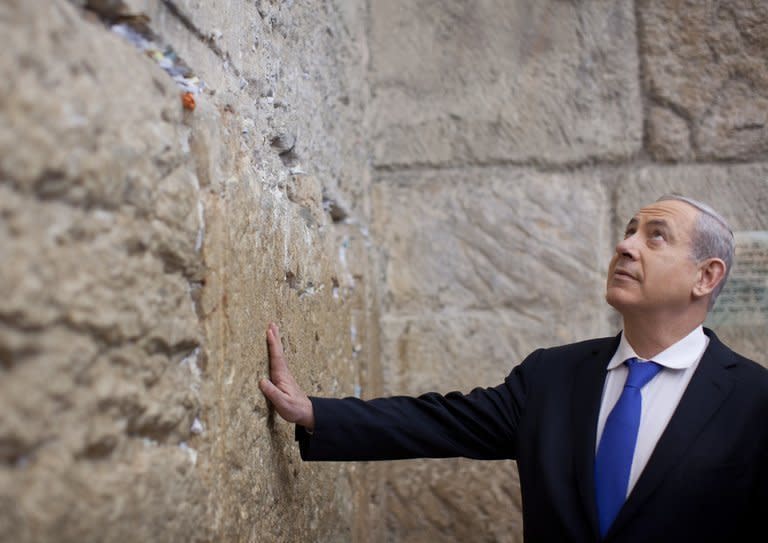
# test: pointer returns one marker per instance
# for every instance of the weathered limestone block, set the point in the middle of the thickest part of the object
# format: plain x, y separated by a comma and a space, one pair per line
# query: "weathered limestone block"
483, 82
284, 242
94, 273
738, 192
705, 62
99, 395
149, 492
461, 350
518, 239
145, 247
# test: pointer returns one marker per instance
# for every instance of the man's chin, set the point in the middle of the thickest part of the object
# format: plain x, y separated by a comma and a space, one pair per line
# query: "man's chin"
618, 298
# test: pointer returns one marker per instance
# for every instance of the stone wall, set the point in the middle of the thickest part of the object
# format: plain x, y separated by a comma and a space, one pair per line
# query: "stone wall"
145, 246
418, 193
512, 141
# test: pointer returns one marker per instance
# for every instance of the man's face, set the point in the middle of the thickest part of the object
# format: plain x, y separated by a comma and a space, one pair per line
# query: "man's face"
653, 268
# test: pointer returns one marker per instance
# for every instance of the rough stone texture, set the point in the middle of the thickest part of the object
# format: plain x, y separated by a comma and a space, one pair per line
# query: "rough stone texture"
302, 67
481, 267
705, 63
738, 192
496, 81
669, 135
99, 224
258, 480
456, 240
454, 499
145, 248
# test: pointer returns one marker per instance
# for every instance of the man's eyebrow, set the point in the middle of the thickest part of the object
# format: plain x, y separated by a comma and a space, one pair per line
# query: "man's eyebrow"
663, 225
657, 222
632, 222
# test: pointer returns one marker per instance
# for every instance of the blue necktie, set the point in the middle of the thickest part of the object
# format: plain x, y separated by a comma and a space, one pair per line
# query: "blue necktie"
617, 445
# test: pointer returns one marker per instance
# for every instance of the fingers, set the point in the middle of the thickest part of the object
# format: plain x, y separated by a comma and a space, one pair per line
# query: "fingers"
279, 399
289, 400
276, 343
286, 404
276, 356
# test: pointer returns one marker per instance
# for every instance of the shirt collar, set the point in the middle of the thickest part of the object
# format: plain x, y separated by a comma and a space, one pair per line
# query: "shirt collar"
680, 355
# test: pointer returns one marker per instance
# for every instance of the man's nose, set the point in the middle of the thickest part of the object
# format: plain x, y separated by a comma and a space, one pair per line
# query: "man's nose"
627, 247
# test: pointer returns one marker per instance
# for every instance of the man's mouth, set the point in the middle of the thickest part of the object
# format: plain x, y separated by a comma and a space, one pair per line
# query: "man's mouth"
624, 273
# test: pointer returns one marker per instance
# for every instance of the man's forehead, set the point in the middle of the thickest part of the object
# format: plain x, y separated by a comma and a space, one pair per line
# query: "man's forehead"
671, 211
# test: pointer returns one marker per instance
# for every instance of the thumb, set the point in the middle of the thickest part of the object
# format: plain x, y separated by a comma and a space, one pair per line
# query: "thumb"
269, 390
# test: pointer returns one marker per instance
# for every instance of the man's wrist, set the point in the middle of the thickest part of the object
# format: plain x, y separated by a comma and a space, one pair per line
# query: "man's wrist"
308, 422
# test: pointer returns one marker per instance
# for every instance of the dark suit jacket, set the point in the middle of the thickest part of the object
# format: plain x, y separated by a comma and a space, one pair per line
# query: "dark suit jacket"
707, 479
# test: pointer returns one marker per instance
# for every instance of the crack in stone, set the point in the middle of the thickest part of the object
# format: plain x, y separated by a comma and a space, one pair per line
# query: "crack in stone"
199, 34
135, 28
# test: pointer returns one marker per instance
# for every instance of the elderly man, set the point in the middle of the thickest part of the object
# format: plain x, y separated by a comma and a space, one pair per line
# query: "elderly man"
657, 434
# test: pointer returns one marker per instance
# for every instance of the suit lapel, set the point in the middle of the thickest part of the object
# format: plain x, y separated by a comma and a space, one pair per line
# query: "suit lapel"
587, 395
707, 389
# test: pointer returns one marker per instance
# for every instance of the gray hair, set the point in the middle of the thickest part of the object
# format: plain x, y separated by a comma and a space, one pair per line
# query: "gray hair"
711, 237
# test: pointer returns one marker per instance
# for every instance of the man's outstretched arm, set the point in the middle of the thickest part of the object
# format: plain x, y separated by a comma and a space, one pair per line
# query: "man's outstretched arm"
481, 424
281, 388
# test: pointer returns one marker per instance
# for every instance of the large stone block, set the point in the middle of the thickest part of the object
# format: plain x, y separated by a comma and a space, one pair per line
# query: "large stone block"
150, 493
705, 73
483, 82
461, 350
531, 242
738, 192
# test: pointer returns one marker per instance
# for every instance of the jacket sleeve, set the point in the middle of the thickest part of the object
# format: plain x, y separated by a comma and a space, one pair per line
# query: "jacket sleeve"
482, 424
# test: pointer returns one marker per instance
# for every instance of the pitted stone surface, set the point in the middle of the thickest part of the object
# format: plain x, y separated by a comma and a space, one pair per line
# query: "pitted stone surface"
455, 500
705, 63
98, 332
145, 248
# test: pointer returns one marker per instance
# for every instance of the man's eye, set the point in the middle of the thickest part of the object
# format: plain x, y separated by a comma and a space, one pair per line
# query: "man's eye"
657, 235
628, 233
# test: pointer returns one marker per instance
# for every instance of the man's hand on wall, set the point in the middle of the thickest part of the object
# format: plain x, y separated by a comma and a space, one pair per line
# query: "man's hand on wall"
281, 388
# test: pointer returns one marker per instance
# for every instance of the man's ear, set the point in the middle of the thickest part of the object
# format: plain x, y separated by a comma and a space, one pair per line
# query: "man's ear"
710, 273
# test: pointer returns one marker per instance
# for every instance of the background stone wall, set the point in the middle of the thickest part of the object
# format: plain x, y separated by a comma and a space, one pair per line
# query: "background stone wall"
512, 141
418, 193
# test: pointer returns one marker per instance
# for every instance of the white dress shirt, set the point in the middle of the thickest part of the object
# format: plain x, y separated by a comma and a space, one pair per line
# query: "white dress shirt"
659, 397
